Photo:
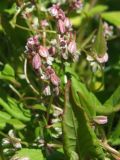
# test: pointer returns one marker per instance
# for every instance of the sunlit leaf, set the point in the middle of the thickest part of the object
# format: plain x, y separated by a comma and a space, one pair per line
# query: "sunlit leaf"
112, 17
31, 154
14, 109
79, 137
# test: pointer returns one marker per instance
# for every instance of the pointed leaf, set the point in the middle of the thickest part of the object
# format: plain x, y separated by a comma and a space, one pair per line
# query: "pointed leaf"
16, 124
99, 45
4, 117
7, 73
112, 17
14, 109
79, 137
97, 10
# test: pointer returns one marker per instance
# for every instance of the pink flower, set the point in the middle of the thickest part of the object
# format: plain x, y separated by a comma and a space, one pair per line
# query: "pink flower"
36, 61
55, 79
62, 41
44, 23
101, 119
54, 10
72, 47
77, 4
52, 51
43, 51
67, 23
103, 59
61, 14
49, 71
61, 26
32, 42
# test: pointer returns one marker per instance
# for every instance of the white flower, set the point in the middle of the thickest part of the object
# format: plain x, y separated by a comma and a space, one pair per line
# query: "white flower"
94, 66
49, 60
5, 141
103, 58
47, 91
35, 24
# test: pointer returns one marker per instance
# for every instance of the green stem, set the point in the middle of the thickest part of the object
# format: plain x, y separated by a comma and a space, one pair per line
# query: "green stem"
26, 77
15, 91
49, 107
37, 30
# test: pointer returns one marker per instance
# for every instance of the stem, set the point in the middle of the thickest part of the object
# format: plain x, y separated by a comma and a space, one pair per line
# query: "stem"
15, 91
21, 8
37, 30
26, 77
110, 149
49, 107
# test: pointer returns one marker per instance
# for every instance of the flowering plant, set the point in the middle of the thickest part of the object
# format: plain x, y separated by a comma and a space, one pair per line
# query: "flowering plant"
56, 80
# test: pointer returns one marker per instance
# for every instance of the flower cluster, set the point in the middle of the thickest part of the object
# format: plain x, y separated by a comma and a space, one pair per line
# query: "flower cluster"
94, 63
108, 30
66, 36
77, 4
41, 59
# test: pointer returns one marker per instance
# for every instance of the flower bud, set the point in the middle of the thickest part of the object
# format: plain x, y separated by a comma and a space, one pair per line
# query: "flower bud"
108, 30
103, 59
32, 42
44, 23
49, 71
61, 14
101, 119
61, 26
77, 4
36, 62
56, 90
5, 142
54, 10
47, 91
52, 51
72, 47
43, 51
67, 23
55, 79
49, 60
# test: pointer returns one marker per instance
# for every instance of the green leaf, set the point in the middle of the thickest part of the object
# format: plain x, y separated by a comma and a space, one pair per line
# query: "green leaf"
15, 109
2, 124
115, 135
31, 154
91, 104
100, 45
85, 97
16, 124
4, 117
112, 17
79, 137
114, 99
7, 73
11, 10
97, 10
112, 104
